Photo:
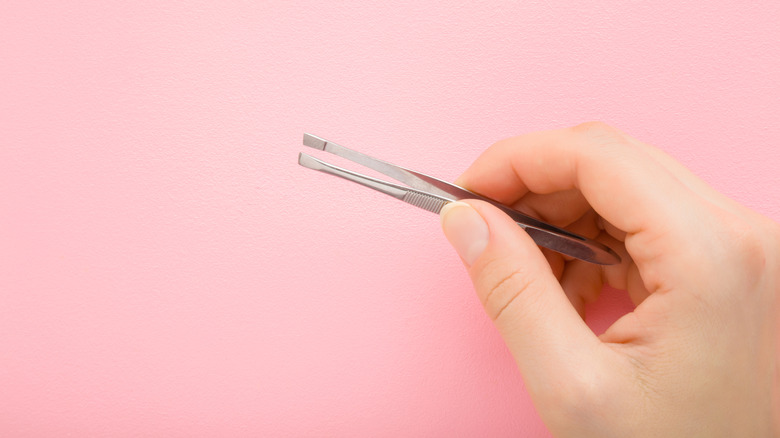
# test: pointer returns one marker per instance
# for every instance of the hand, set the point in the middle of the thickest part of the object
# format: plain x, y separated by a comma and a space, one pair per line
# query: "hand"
699, 354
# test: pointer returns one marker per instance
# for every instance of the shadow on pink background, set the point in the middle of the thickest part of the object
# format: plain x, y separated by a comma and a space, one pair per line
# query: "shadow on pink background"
166, 268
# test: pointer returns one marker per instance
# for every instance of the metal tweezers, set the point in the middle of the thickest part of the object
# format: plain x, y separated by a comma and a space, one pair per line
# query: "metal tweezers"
432, 194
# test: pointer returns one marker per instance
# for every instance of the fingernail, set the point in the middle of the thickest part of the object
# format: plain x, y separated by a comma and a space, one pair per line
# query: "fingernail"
465, 229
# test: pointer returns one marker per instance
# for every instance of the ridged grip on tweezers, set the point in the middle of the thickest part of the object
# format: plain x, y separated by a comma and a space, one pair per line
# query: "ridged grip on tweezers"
434, 205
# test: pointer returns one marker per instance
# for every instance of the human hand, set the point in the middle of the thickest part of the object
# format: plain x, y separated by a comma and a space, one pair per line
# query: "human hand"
699, 354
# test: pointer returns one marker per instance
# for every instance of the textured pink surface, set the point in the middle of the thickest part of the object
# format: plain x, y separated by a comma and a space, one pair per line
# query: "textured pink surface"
166, 268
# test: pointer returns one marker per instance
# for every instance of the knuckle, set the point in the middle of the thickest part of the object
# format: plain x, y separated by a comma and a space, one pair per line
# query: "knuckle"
743, 246
749, 247
774, 236
599, 132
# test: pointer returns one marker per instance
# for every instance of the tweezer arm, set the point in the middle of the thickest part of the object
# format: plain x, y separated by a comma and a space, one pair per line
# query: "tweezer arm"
381, 186
426, 201
409, 177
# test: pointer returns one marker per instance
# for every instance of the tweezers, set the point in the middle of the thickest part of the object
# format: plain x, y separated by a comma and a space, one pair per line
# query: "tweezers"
432, 194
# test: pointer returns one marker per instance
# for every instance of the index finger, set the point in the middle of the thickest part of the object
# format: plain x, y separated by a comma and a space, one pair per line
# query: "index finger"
624, 184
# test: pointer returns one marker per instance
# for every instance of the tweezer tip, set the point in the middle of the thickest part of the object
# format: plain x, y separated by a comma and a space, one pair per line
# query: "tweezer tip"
307, 160
313, 141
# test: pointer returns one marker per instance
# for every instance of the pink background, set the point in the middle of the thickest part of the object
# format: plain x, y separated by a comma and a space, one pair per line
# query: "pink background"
167, 269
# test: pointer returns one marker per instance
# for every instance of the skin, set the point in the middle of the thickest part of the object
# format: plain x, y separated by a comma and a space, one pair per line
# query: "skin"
699, 354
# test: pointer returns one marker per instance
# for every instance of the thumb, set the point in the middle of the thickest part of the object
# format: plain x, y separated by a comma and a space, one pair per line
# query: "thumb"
515, 284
